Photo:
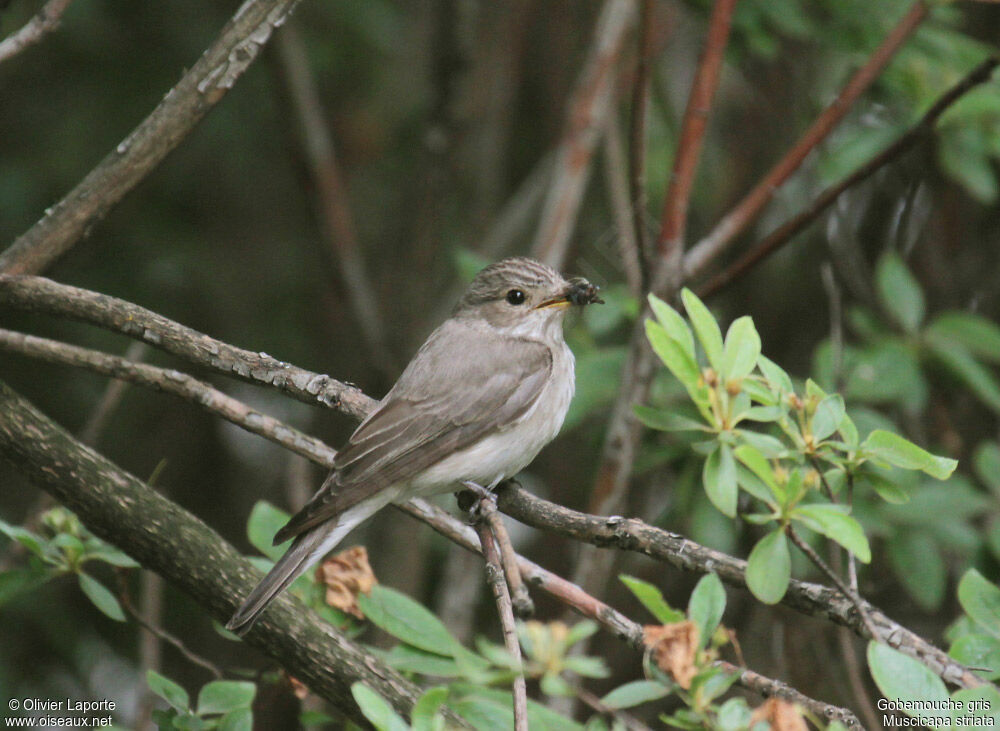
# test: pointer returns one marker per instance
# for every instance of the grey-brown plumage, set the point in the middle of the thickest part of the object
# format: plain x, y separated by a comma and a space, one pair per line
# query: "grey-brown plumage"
486, 391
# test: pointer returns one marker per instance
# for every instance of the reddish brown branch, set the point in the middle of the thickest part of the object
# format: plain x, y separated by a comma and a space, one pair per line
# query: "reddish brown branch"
747, 210
588, 108
784, 233
45, 21
137, 155
699, 106
637, 131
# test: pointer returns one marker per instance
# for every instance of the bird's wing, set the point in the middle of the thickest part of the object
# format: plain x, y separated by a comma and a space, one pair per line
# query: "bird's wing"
462, 386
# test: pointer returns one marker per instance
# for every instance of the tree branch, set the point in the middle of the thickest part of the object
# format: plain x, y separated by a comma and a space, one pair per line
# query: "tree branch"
631, 534
167, 539
670, 242
37, 294
173, 382
137, 155
904, 143
747, 210
588, 108
45, 21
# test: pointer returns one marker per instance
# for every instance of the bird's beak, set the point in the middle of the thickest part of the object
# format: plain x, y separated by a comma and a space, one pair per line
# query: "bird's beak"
579, 292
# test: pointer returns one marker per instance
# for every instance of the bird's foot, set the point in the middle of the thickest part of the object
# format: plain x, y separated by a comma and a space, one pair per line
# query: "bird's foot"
470, 498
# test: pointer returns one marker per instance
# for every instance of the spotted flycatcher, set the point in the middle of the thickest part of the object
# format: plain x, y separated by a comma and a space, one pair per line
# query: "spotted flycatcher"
487, 390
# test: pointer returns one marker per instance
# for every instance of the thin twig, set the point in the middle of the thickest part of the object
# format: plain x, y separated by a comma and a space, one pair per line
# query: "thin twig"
38, 294
747, 210
587, 109
587, 605
637, 134
335, 211
784, 233
632, 534
523, 605
845, 640
616, 183
699, 105
173, 382
770, 688
859, 603
45, 21
627, 721
159, 632
495, 578
218, 69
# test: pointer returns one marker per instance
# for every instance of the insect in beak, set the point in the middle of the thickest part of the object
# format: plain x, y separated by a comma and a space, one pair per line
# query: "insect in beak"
580, 292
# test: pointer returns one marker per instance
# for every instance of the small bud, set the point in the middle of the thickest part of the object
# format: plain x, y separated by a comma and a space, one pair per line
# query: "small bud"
734, 386
795, 402
812, 479
711, 377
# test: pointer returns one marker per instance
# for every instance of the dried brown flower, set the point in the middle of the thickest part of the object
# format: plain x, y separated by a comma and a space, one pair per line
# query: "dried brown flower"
779, 715
674, 647
346, 575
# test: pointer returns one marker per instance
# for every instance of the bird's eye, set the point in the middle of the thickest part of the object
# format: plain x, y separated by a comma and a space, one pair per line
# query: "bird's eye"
515, 297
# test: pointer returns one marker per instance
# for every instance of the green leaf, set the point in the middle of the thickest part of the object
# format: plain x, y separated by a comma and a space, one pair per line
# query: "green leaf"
975, 333
101, 597
902, 678
986, 461
266, 520
20, 581
239, 719
775, 375
980, 598
886, 488
708, 602
834, 523
168, 690
673, 323
901, 452
828, 416
664, 420
769, 568
587, 667
635, 693
741, 350
899, 291
223, 696
978, 651
683, 366
705, 327
407, 620
426, 707
375, 708
111, 555
581, 631
411, 660
916, 560
652, 599
758, 464
956, 359
719, 477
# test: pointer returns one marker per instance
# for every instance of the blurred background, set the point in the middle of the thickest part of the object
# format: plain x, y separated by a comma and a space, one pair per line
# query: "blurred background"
444, 116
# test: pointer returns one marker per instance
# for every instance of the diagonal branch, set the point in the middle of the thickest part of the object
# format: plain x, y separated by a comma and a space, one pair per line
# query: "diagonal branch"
137, 155
904, 143
38, 294
699, 106
45, 21
167, 539
747, 210
631, 534
172, 382
589, 105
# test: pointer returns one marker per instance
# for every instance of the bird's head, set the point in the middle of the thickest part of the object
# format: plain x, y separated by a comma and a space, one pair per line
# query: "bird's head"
524, 295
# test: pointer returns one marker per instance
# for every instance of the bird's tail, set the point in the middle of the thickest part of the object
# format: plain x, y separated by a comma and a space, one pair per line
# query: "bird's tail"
305, 551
